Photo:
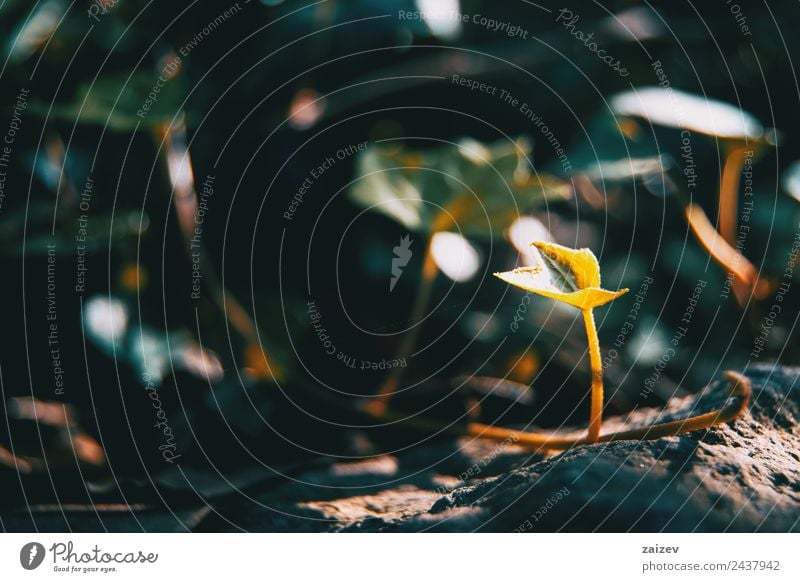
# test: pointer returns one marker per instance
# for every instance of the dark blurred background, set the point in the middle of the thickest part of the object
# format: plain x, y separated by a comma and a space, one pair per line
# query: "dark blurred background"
258, 95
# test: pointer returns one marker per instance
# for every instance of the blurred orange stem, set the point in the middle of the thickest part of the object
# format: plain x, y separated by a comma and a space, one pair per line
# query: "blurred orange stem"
727, 256
377, 406
729, 193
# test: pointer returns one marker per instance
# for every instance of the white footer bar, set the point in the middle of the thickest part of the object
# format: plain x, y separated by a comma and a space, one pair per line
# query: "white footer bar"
401, 557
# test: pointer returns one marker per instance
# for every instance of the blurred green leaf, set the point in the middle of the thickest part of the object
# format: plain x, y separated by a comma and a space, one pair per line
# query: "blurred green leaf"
121, 101
469, 187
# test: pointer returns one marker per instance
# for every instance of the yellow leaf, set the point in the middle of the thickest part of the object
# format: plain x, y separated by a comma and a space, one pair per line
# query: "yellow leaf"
581, 264
571, 276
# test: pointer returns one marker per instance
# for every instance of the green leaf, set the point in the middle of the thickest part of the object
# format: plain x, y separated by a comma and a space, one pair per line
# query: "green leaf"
119, 101
571, 276
469, 187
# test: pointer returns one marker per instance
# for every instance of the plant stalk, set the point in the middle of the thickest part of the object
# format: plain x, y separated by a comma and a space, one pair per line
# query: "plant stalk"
740, 387
596, 364
729, 193
377, 406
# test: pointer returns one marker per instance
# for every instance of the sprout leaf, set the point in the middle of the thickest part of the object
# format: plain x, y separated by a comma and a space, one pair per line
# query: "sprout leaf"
571, 276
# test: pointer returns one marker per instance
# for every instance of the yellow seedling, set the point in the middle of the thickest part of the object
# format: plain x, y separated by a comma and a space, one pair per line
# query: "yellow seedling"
572, 277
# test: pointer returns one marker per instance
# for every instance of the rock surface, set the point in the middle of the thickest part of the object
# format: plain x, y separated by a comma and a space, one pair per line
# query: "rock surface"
739, 477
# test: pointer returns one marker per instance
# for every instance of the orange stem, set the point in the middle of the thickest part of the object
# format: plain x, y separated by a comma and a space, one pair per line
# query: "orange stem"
731, 260
740, 387
596, 364
729, 194
377, 406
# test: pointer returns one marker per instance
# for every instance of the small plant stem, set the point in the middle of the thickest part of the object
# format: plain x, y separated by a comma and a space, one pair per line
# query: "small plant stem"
729, 193
740, 387
596, 364
723, 253
746, 281
185, 201
377, 406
